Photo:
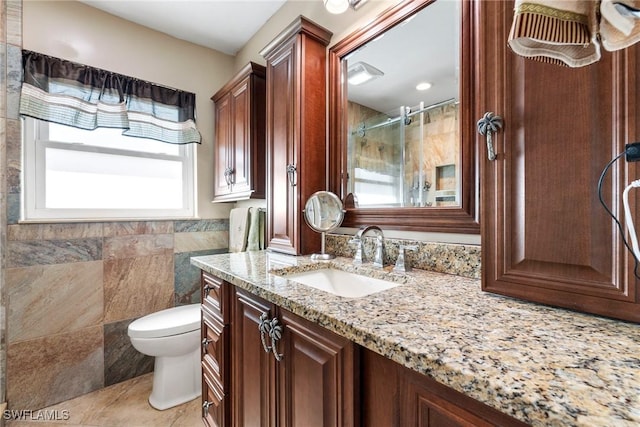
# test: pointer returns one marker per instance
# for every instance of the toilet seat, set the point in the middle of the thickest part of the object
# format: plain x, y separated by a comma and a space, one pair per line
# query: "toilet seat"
164, 323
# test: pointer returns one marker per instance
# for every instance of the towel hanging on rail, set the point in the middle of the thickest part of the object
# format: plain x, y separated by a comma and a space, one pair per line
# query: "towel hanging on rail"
563, 32
238, 229
256, 238
620, 24
569, 32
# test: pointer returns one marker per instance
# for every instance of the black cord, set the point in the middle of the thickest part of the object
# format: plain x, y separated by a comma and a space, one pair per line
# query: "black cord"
622, 232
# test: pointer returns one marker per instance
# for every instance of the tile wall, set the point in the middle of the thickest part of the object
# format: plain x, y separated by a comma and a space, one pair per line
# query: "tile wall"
10, 43
73, 289
69, 291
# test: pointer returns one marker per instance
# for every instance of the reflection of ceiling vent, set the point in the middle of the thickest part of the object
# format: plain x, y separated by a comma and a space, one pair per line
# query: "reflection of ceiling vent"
361, 72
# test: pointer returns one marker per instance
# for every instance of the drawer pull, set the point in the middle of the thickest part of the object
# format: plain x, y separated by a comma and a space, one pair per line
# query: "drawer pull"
205, 343
228, 176
291, 174
205, 408
272, 329
207, 289
487, 126
264, 326
275, 333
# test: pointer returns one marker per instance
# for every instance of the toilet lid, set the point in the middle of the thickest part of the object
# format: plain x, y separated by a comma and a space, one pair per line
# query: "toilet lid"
172, 321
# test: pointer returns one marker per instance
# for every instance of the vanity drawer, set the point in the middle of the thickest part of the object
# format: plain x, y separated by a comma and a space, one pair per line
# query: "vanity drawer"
215, 411
214, 347
215, 293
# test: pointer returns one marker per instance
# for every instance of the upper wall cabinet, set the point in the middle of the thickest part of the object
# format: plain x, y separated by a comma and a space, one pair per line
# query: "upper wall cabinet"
402, 129
296, 121
239, 171
545, 235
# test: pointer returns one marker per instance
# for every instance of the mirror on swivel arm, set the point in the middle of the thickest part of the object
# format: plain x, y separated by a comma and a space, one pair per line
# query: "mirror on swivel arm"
323, 212
402, 155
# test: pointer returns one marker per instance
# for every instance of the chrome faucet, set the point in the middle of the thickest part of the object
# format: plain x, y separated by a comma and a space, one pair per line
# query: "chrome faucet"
378, 258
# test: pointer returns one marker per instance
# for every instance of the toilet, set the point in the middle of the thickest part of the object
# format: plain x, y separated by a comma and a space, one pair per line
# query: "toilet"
172, 336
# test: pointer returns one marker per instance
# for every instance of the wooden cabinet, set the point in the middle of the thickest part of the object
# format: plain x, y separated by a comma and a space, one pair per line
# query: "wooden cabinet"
254, 389
318, 379
239, 168
296, 146
545, 236
216, 403
394, 396
310, 383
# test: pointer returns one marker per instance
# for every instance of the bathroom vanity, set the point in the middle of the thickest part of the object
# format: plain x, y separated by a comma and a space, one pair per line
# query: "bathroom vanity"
245, 339
433, 350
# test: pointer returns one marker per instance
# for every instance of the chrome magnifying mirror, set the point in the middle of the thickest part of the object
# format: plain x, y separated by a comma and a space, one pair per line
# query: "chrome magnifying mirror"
323, 212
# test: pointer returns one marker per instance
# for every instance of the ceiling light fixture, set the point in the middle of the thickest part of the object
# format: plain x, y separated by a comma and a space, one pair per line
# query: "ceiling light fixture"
340, 6
423, 86
361, 72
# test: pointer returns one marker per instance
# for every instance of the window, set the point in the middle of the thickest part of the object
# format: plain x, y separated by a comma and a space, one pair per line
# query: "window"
72, 173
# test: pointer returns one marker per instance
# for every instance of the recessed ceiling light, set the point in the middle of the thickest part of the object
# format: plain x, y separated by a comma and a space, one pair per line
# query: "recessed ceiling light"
339, 6
423, 86
336, 6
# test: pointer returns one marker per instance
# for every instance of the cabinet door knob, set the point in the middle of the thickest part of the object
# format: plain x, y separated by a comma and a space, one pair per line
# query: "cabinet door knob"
291, 174
487, 126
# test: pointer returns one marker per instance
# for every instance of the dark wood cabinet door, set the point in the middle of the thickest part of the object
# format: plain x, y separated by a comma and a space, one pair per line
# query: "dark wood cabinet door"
253, 369
393, 396
316, 376
426, 409
379, 390
223, 146
296, 121
239, 165
240, 152
545, 236
281, 152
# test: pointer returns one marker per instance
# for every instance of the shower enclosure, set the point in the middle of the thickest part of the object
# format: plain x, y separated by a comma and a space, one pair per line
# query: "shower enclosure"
406, 159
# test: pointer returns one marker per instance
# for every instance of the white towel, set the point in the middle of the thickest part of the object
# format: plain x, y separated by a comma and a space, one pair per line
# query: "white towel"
558, 31
620, 24
238, 229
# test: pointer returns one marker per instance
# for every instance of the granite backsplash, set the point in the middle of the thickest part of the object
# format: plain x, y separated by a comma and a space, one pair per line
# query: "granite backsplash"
458, 259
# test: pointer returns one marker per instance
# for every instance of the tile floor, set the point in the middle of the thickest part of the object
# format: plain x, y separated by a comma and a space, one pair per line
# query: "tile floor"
120, 405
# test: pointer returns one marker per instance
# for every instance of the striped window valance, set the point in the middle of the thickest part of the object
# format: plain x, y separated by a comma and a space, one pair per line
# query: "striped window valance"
77, 95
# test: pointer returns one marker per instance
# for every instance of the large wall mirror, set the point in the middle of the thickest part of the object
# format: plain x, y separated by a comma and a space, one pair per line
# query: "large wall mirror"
402, 144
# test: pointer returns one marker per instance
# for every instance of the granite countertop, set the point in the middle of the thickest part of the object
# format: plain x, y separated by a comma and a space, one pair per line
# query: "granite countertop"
542, 365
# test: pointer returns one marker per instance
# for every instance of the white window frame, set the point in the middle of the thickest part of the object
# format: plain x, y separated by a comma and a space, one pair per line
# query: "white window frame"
35, 142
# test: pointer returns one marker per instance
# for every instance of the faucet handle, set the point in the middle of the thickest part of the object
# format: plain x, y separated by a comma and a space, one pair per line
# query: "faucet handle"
402, 264
358, 258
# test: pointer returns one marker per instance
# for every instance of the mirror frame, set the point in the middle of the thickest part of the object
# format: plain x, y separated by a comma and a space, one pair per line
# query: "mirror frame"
333, 197
451, 219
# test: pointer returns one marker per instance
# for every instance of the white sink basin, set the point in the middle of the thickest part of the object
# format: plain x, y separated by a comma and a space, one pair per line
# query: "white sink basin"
341, 283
